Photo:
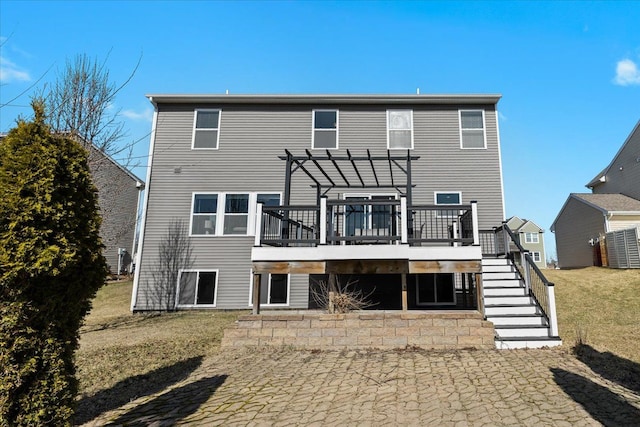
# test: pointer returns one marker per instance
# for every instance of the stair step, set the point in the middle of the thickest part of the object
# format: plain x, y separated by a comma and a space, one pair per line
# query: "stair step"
512, 291
499, 309
528, 342
508, 300
499, 275
517, 319
495, 261
522, 331
515, 283
498, 268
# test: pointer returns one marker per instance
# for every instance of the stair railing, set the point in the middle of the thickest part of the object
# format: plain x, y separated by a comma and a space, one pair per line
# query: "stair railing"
536, 285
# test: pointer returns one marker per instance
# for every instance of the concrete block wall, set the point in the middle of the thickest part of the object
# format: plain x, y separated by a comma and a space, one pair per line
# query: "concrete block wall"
385, 330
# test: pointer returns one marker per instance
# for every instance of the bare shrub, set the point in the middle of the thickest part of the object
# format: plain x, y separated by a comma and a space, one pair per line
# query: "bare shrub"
344, 299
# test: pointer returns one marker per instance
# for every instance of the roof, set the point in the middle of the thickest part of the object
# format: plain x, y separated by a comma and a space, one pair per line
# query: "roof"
524, 223
600, 178
326, 99
608, 204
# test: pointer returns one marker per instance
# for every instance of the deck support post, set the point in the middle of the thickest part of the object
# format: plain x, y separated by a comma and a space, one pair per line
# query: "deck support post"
404, 292
332, 291
256, 293
479, 293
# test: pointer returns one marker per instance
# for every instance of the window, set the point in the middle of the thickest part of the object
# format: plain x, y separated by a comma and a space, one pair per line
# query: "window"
325, 129
205, 129
196, 288
435, 289
531, 238
274, 289
536, 256
472, 129
227, 214
236, 214
203, 219
448, 198
400, 129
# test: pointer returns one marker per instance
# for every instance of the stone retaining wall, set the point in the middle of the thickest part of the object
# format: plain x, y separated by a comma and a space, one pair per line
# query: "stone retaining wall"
387, 330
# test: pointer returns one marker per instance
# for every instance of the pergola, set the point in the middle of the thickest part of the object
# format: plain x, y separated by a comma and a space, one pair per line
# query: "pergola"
328, 172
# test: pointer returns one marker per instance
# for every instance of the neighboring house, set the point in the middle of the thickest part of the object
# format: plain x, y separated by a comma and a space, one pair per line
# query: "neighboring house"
531, 237
119, 193
584, 219
614, 205
118, 198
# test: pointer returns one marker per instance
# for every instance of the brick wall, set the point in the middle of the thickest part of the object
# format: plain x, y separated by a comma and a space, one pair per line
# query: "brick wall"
387, 330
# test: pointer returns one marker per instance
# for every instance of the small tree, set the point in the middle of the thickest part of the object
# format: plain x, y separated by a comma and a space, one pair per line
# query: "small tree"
50, 268
174, 254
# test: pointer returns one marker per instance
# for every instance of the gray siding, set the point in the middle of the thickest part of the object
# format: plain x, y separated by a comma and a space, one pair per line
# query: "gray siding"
118, 201
574, 227
623, 175
251, 139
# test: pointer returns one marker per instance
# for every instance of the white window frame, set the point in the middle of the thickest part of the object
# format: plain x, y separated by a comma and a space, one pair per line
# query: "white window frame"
193, 131
191, 214
226, 214
435, 202
253, 206
220, 214
389, 129
194, 305
534, 237
535, 256
484, 130
313, 129
269, 292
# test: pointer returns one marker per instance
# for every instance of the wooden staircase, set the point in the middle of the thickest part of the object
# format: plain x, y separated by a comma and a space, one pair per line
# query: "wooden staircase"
518, 319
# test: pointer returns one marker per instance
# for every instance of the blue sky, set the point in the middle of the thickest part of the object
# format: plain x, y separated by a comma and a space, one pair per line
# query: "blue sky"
569, 72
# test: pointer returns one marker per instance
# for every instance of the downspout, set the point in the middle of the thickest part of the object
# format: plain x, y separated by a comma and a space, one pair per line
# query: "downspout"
136, 277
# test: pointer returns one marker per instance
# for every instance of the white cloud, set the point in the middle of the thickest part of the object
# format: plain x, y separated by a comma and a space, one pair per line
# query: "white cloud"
10, 72
627, 73
502, 116
145, 115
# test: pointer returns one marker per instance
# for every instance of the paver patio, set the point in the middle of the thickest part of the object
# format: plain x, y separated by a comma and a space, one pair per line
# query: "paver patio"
282, 387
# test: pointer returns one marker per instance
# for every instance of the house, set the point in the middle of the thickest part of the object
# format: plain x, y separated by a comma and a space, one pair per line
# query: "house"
275, 197
613, 206
119, 196
531, 237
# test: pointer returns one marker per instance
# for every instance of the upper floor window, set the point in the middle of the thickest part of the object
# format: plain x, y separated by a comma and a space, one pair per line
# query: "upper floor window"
400, 129
531, 238
218, 214
325, 129
236, 214
472, 127
447, 198
536, 257
206, 126
205, 208
452, 198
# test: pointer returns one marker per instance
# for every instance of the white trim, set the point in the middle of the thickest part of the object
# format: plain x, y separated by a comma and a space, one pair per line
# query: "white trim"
194, 305
533, 256
504, 212
389, 129
267, 304
221, 214
145, 206
532, 234
313, 129
435, 197
484, 130
193, 130
191, 213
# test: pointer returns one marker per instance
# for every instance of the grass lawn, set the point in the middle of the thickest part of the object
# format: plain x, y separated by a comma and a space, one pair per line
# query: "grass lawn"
123, 356
601, 304
121, 352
